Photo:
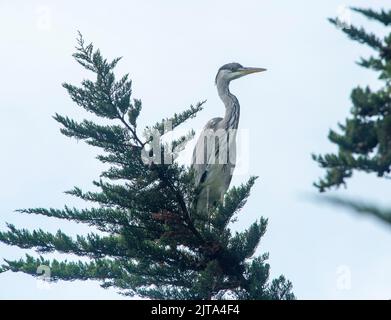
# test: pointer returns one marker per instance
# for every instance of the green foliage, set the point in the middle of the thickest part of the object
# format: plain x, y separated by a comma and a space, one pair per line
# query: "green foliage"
362, 208
148, 241
381, 16
364, 141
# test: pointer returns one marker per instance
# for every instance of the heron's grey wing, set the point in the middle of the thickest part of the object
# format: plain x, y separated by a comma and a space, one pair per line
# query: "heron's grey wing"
199, 163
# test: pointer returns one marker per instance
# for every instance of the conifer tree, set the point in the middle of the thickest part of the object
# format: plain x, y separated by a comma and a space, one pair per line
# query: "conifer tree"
146, 238
364, 140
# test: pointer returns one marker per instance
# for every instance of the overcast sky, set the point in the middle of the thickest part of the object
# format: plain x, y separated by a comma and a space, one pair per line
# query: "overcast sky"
172, 50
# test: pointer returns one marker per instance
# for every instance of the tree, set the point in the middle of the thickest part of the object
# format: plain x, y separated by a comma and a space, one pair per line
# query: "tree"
148, 239
364, 141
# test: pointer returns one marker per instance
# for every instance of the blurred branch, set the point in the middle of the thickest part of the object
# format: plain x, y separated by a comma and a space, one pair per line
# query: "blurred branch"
361, 207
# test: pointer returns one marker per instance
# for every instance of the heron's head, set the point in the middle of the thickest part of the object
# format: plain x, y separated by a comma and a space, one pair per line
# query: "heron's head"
231, 71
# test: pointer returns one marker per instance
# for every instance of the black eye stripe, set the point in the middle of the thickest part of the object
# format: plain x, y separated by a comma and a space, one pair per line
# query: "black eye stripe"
231, 66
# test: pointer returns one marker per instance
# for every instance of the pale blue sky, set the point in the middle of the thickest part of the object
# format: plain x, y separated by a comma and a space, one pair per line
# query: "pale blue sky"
172, 50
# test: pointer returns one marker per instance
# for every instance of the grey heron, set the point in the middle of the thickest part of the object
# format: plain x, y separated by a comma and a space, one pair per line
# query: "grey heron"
213, 163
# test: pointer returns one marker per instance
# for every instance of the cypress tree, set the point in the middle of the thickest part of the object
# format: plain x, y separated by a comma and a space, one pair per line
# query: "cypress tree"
146, 238
364, 139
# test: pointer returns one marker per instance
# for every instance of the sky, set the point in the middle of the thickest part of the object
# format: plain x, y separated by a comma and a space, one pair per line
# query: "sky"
172, 50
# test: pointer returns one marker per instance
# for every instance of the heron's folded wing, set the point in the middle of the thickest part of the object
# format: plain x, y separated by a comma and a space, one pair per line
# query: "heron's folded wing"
200, 162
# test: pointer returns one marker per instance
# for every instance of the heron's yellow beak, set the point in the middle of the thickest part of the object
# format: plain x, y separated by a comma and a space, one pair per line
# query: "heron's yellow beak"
245, 71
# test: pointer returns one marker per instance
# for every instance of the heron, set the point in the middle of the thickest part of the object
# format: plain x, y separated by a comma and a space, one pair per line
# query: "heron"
213, 179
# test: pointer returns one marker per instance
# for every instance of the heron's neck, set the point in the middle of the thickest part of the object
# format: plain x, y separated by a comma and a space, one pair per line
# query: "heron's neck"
232, 107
